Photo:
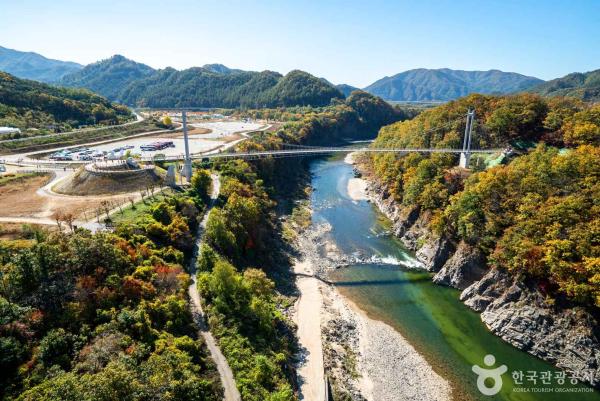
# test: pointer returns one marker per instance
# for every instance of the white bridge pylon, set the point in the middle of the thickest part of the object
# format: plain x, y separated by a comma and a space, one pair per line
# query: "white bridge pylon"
465, 155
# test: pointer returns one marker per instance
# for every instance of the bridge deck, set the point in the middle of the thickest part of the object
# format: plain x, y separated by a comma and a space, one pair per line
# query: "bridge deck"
297, 152
317, 151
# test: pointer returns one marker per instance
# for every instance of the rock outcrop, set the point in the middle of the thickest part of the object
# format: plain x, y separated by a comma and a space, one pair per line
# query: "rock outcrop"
464, 267
435, 253
567, 337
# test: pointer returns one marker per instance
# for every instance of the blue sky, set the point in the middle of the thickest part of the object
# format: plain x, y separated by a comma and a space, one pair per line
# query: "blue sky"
354, 42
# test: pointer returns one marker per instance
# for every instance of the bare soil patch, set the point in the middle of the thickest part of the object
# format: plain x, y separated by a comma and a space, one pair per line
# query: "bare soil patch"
23, 199
19, 198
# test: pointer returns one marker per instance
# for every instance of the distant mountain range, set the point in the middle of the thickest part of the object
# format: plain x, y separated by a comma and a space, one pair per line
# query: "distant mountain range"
34, 66
584, 86
446, 84
213, 85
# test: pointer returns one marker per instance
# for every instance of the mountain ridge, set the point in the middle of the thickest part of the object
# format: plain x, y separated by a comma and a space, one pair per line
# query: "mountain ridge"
583, 85
27, 104
443, 84
107, 77
32, 65
212, 85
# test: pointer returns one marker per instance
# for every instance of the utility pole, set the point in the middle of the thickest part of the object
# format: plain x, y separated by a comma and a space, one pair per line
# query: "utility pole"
187, 165
465, 155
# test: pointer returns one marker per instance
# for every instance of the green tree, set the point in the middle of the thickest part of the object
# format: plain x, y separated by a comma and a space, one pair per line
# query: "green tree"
56, 349
201, 183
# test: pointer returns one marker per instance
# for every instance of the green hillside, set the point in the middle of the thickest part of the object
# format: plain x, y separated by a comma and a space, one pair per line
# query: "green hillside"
213, 85
30, 104
108, 77
346, 89
585, 86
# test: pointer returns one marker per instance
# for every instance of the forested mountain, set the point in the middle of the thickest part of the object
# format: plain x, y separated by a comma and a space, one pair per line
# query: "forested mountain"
213, 85
346, 89
299, 88
446, 84
31, 104
197, 87
108, 77
584, 86
30, 65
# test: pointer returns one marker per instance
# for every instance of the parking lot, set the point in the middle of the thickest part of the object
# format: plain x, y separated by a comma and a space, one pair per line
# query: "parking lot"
220, 134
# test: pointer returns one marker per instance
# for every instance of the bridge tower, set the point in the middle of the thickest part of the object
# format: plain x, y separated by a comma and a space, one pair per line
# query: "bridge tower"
187, 164
465, 155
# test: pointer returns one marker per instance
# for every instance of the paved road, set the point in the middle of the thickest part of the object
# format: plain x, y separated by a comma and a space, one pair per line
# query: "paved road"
227, 379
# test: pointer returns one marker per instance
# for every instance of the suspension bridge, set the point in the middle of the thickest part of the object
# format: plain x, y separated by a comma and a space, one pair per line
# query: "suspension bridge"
292, 150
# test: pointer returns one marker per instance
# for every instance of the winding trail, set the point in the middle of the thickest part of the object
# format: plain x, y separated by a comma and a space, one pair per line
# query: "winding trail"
225, 372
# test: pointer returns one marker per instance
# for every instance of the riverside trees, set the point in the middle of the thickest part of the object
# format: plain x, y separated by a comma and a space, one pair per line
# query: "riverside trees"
537, 215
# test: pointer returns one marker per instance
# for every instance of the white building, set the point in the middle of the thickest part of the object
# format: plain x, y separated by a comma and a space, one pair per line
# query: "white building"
9, 130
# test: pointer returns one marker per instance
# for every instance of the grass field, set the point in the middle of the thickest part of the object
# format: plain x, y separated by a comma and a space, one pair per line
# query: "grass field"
130, 213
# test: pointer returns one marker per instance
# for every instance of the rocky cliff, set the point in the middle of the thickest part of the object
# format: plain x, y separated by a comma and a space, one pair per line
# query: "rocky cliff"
565, 336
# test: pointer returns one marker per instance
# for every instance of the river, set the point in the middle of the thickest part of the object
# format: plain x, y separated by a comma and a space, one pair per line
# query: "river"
448, 334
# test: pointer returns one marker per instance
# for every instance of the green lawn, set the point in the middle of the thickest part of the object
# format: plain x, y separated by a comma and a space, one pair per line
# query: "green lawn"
131, 213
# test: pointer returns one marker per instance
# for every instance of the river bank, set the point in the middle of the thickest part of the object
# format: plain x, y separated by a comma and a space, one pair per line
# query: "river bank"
365, 358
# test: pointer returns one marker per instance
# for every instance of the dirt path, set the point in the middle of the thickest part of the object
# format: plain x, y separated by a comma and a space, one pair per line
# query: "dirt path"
308, 319
227, 379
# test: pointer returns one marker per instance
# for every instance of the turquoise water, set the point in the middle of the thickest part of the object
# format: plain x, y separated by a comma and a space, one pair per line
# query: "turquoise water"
448, 334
